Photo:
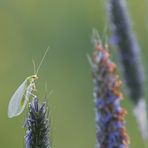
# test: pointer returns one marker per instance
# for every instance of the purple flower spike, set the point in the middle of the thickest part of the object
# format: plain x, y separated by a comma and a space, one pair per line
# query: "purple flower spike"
128, 51
37, 125
110, 126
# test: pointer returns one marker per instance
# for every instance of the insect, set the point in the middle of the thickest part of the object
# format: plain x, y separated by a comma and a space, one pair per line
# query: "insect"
23, 93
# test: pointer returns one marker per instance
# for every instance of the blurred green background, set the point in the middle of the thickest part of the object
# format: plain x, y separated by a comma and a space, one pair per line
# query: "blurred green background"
27, 27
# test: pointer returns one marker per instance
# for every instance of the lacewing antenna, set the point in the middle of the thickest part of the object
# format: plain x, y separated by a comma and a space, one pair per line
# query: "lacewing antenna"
42, 60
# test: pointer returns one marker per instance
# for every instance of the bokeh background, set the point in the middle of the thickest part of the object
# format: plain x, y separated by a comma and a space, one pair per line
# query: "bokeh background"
27, 28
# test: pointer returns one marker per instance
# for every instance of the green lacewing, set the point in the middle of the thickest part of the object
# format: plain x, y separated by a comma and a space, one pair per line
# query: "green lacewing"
23, 93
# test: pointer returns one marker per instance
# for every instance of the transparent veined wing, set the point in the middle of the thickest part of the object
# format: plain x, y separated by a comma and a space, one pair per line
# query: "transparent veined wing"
15, 108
